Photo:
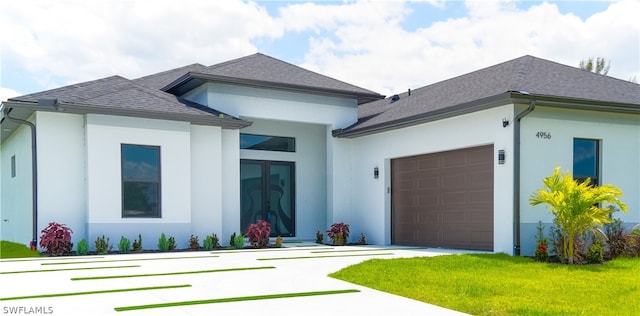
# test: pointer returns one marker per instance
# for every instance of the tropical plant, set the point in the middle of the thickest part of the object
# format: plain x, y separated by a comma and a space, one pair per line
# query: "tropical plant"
238, 241
596, 252
278, 242
576, 206
362, 240
339, 233
171, 243
102, 245
258, 234
319, 237
207, 243
163, 244
599, 65
56, 239
620, 241
124, 245
541, 253
193, 242
137, 244
232, 239
82, 248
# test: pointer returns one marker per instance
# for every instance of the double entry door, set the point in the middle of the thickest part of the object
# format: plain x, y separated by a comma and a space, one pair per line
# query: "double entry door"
267, 192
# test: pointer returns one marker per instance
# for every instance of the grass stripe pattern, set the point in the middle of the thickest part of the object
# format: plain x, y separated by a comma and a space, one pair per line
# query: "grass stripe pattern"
167, 274
70, 269
96, 292
125, 260
316, 257
234, 299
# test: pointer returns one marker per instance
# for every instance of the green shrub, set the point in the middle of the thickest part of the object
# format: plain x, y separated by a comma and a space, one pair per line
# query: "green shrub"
595, 253
163, 245
362, 240
319, 237
124, 245
238, 242
194, 243
210, 242
232, 239
278, 242
82, 248
102, 245
137, 244
171, 243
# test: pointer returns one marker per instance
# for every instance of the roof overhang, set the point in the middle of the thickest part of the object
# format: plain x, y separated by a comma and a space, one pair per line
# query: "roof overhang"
193, 80
24, 110
511, 97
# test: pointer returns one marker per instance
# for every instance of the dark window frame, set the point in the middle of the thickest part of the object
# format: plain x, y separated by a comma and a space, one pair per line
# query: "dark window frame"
158, 182
289, 143
595, 179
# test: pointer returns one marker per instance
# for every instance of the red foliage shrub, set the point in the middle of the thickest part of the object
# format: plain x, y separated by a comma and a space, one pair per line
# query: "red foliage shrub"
258, 234
56, 239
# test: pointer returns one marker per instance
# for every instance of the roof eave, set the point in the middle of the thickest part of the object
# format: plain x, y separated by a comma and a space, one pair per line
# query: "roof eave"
192, 80
578, 104
75, 108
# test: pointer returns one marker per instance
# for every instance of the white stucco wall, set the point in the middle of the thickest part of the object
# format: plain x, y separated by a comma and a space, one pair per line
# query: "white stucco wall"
230, 184
369, 211
310, 163
62, 171
619, 136
15, 204
105, 134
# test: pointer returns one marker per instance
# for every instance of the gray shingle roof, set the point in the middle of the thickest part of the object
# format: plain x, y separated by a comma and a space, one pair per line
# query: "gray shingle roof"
538, 77
122, 96
262, 70
161, 79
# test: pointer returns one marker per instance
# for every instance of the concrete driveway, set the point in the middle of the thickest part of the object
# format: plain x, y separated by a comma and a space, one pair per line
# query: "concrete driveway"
197, 283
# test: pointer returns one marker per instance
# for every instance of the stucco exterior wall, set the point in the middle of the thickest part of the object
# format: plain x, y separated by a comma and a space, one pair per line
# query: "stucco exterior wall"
16, 206
619, 136
62, 171
230, 184
105, 134
370, 209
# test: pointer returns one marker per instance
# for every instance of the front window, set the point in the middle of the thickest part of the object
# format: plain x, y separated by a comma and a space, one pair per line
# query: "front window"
586, 160
140, 181
265, 142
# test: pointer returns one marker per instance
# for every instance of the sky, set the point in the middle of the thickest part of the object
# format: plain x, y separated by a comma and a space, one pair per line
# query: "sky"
387, 46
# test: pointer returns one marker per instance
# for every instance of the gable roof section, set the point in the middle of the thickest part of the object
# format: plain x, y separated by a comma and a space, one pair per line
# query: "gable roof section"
526, 76
116, 95
260, 70
162, 79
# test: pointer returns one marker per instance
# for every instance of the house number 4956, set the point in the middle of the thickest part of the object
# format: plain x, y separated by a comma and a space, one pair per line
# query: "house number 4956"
543, 135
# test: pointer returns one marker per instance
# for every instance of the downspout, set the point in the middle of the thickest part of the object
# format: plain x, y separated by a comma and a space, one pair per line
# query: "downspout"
34, 175
516, 176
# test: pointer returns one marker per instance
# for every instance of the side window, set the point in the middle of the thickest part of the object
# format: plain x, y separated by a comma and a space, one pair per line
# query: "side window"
586, 160
265, 142
140, 181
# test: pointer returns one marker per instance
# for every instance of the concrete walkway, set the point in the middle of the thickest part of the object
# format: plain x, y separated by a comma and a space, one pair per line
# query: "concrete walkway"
274, 271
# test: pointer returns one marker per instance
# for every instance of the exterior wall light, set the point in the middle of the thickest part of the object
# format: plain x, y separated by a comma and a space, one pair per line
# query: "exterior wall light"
376, 173
501, 156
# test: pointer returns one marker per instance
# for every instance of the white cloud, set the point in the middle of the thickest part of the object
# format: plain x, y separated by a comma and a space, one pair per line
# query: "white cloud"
378, 54
60, 42
6, 93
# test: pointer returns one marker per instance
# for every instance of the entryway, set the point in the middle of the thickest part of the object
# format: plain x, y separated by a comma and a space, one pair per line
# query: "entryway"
267, 192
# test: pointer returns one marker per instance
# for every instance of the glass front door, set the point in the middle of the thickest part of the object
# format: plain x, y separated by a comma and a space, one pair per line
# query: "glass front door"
267, 192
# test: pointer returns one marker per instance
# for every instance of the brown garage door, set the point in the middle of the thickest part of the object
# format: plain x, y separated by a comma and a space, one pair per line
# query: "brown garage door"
443, 199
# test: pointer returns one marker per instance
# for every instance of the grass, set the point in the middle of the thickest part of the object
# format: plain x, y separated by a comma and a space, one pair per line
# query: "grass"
13, 250
316, 257
233, 299
95, 292
498, 284
69, 269
125, 260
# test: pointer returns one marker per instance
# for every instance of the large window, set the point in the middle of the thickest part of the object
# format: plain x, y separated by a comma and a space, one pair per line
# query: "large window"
140, 181
264, 142
586, 160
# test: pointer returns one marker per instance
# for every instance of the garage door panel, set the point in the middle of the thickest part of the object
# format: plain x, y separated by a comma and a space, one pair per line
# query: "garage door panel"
451, 199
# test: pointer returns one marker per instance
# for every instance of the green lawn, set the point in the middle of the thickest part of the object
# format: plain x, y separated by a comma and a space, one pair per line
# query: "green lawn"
490, 284
12, 250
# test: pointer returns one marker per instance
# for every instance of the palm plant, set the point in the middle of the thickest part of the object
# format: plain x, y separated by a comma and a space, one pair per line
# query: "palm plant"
576, 206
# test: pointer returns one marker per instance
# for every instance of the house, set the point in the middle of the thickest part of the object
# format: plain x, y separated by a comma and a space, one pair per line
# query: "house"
210, 149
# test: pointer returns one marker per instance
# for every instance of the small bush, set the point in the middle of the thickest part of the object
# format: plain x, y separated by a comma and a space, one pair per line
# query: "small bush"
82, 248
137, 244
621, 242
278, 242
124, 245
102, 245
210, 242
194, 243
238, 241
56, 239
163, 244
542, 249
362, 240
595, 253
232, 239
339, 233
171, 243
319, 237
258, 234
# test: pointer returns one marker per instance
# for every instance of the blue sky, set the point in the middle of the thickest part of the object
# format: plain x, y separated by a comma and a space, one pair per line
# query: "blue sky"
386, 46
